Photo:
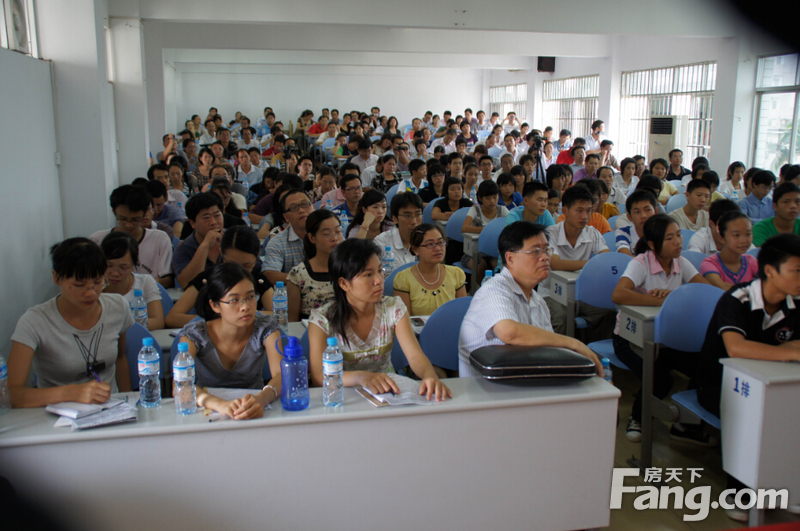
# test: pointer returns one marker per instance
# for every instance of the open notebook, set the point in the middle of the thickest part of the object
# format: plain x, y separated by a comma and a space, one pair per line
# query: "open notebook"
409, 393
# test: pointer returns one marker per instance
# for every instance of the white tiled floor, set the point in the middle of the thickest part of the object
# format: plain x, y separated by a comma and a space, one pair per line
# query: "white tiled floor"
668, 453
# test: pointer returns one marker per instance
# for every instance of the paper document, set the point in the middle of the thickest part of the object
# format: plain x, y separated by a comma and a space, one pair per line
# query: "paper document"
409, 393
76, 410
120, 412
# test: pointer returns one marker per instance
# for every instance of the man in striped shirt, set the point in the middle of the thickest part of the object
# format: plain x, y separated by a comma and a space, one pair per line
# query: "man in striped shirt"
507, 310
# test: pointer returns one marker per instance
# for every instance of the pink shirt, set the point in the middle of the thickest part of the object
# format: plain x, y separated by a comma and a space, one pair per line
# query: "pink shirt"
747, 270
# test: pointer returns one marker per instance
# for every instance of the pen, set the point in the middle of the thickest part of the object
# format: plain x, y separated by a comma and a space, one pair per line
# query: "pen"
95, 376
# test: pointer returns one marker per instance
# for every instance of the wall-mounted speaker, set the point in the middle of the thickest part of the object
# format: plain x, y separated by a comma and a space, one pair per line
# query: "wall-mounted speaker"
546, 64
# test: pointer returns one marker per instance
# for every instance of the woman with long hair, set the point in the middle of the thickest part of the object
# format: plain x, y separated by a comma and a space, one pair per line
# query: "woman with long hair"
309, 283
370, 219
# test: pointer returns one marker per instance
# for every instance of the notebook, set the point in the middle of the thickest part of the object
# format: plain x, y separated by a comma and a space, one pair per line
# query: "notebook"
76, 410
409, 393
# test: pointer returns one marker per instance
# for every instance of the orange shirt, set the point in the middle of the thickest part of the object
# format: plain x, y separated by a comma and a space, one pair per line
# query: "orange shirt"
597, 221
610, 210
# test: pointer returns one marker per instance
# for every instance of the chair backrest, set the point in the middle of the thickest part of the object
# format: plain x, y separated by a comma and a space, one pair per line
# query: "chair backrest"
407, 128
695, 257
612, 221
166, 299
173, 349
495, 151
621, 208
754, 251
175, 242
675, 202
487, 241
687, 235
388, 283
399, 361
428, 212
682, 329
439, 338
599, 277
375, 138
389, 195
455, 223
133, 344
483, 135
611, 240
328, 143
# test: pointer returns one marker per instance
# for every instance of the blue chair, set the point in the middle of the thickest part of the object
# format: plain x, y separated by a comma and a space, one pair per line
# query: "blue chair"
375, 138
166, 299
487, 241
687, 235
495, 152
613, 222
173, 349
695, 257
621, 208
675, 202
691, 412
175, 242
399, 361
133, 343
326, 149
391, 193
611, 240
453, 231
483, 135
439, 338
754, 251
594, 286
388, 283
407, 128
428, 212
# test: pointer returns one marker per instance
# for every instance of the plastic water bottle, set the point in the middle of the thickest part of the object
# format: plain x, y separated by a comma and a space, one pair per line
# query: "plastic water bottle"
183, 210
149, 374
344, 221
246, 219
387, 261
183, 374
294, 377
473, 196
5, 396
487, 276
329, 205
139, 308
332, 368
607, 374
280, 306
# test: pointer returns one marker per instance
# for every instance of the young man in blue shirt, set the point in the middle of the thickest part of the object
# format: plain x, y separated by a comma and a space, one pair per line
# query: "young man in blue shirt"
758, 205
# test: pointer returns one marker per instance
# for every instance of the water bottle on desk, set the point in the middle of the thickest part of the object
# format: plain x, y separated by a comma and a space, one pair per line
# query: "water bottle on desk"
487, 276
183, 373
294, 377
607, 373
344, 221
332, 368
387, 261
246, 219
329, 206
280, 306
139, 308
5, 396
149, 375
473, 196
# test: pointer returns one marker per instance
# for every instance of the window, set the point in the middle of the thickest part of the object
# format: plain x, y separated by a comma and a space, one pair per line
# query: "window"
571, 103
509, 98
686, 90
777, 131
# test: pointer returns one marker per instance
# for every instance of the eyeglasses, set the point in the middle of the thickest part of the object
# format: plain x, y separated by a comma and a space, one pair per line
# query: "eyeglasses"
433, 245
331, 235
351, 189
133, 221
294, 208
120, 269
97, 285
537, 252
415, 215
250, 299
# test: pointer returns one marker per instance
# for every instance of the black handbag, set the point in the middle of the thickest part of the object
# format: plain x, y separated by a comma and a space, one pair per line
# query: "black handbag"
512, 362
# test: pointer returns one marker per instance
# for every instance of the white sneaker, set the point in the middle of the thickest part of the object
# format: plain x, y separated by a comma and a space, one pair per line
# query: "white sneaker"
634, 431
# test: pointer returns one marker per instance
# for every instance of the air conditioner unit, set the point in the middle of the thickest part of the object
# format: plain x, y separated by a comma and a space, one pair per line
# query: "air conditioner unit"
667, 133
17, 28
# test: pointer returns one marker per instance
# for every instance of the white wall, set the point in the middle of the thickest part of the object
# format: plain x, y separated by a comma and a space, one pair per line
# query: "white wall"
31, 197
402, 92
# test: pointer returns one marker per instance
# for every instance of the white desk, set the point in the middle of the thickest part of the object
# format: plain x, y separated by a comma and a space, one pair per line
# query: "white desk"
562, 290
760, 428
163, 338
637, 324
441, 224
175, 293
493, 457
471, 248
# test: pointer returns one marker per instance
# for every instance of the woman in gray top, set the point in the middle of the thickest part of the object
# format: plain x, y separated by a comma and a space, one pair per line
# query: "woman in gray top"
75, 342
231, 343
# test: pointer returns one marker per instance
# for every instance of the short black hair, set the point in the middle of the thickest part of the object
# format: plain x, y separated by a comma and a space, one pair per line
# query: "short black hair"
487, 188
346, 178
720, 207
132, 197
782, 190
404, 199
151, 170
506, 178
776, 251
78, 258
574, 194
711, 177
364, 143
513, 237
156, 189
554, 172
694, 184
203, 201
792, 172
697, 169
117, 244
650, 182
762, 177
415, 164
532, 187
640, 196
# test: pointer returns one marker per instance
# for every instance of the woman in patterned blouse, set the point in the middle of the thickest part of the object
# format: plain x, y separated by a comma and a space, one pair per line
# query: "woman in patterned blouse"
309, 283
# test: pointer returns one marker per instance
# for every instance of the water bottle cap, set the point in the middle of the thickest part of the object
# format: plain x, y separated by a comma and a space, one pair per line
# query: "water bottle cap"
488, 273
293, 350
183, 346
147, 342
279, 284
333, 342
388, 248
605, 362
137, 293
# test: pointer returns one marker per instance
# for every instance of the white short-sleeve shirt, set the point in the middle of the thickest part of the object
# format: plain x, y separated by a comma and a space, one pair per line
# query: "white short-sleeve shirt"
590, 242
155, 252
391, 238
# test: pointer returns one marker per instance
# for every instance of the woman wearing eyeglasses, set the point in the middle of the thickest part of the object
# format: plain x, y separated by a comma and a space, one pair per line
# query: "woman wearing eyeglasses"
309, 283
429, 283
232, 343
76, 339
122, 255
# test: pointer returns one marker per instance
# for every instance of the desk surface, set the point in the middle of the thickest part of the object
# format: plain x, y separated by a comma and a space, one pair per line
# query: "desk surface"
568, 277
769, 372
22, 427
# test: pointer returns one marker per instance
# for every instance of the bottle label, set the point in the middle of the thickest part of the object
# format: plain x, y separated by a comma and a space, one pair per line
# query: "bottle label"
183, 374
3, 371
147, 368
332, 367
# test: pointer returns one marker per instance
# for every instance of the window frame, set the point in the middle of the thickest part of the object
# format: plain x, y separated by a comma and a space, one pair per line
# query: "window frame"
783, 89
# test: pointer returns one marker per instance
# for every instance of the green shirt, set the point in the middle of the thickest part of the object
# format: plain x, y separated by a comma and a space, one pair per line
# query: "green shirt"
765, 229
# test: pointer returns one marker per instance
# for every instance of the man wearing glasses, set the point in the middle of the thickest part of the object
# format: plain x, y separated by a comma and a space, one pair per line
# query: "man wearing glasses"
285, 250
507, 310
351, 191
407, 215
129, 204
